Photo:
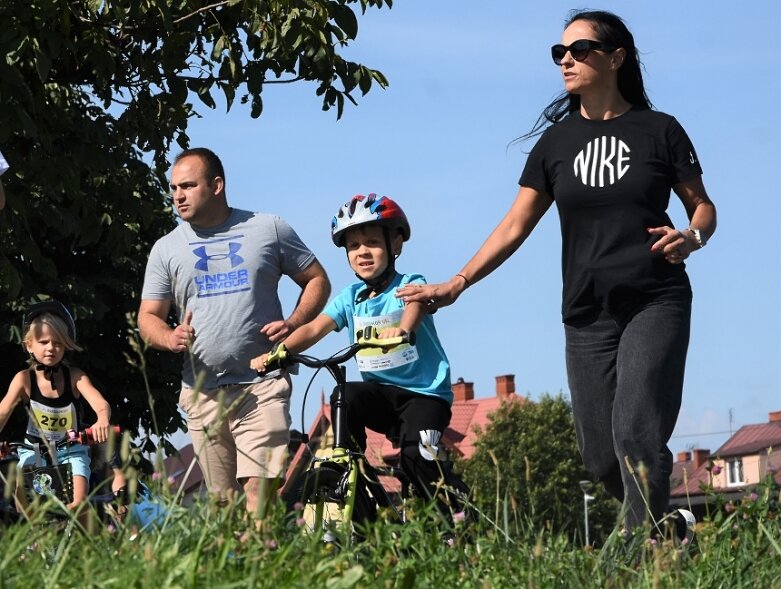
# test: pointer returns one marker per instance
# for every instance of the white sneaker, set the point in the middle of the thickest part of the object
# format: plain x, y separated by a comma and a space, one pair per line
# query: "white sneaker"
684, 526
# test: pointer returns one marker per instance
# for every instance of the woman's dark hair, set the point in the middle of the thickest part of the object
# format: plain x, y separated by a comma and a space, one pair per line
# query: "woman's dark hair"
610, 30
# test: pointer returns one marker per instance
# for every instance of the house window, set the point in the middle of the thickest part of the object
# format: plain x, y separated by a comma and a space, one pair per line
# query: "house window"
735, 472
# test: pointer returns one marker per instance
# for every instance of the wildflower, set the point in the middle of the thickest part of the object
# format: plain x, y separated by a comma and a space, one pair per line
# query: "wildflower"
752, 496
171, 480
716, 469
270, 544
729, 507
300, 521
156, 476
298, 506
459, 516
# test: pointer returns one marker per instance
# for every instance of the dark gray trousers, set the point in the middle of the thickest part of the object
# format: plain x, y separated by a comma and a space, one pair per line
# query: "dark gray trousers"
626, 382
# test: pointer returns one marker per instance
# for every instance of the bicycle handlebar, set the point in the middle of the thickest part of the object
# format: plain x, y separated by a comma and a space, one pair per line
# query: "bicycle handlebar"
85, 437
365, 338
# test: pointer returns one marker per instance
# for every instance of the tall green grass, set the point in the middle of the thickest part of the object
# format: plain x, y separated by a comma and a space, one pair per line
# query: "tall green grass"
213, 546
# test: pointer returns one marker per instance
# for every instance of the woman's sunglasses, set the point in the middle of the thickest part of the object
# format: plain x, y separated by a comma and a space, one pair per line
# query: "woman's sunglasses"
579, 50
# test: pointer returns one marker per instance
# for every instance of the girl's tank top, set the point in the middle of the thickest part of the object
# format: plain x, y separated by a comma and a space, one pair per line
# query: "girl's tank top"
52, 418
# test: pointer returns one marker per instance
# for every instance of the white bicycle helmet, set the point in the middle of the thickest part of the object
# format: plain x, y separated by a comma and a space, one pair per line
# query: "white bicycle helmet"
361, 210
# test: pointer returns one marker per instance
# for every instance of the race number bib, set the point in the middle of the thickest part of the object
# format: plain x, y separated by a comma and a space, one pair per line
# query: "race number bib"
375, 359
51, 423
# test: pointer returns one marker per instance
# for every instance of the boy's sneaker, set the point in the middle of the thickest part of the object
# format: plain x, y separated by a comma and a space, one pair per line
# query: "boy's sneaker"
684, 526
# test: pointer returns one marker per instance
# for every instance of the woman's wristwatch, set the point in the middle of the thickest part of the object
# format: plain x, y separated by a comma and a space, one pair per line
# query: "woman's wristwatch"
698, 237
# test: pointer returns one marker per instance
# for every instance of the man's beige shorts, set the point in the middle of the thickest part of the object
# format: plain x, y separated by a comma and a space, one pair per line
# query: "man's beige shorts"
239, 431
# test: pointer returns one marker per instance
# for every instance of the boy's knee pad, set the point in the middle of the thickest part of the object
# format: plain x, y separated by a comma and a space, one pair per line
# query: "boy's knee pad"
429, 446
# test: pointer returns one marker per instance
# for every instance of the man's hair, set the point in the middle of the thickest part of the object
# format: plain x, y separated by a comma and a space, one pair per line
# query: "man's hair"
213, 164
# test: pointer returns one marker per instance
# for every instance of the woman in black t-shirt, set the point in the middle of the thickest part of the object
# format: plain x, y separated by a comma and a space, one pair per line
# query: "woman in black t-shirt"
609, 162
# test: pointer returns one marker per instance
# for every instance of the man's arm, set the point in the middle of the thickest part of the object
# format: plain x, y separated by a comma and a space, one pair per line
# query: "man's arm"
156, 332
315, 289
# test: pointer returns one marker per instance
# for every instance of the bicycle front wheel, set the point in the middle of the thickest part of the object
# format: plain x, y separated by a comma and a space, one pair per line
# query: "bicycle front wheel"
319, 499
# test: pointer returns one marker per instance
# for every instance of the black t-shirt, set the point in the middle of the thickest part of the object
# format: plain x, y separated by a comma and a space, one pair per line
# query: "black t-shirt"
611, 181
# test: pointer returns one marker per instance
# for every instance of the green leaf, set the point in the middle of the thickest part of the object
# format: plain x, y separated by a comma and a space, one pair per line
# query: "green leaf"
230, 94
206, 97
345, 19
257, 107
219, 45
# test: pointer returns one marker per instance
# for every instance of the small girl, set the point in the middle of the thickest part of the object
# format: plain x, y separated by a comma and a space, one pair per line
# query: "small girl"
51, 391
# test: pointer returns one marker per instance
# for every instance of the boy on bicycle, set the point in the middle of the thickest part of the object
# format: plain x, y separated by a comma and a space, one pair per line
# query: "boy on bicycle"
406, 392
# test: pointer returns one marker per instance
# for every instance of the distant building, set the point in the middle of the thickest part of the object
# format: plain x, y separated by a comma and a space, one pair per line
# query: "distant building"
747, 458
185, 475
468, 414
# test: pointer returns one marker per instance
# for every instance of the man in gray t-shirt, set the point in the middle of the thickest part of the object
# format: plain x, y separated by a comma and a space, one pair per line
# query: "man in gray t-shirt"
221, 268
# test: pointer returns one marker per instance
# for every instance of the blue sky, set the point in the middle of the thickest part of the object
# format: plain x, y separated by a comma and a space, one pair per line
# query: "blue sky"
466, 79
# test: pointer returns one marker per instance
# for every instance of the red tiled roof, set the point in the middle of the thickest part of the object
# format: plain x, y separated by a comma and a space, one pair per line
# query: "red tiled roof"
180, 464
467, 417
751, 439
693, 483
682, 470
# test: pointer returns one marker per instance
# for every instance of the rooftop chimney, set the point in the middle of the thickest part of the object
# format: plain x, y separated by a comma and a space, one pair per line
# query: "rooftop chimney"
684, 457
505, 385
700, 457
774, 416
463, 391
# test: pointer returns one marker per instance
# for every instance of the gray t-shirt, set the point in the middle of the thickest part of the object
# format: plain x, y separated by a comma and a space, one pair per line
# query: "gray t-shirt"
227, 276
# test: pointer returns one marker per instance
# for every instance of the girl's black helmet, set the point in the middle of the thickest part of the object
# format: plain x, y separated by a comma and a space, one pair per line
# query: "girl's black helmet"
55, 308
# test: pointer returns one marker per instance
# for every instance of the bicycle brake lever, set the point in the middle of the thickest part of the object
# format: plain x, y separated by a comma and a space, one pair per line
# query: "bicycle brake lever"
278, 356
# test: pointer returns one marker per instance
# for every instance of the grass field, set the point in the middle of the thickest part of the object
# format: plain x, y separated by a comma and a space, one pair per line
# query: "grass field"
210, 546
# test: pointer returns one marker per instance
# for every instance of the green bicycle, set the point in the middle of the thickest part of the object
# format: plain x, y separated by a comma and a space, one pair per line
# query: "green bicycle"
341, 491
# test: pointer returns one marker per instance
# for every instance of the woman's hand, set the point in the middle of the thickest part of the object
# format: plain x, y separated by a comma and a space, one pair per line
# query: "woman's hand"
675, 245
433, 296
277, 331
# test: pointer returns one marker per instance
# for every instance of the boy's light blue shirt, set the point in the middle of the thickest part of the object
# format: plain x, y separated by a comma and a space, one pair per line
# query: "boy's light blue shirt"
422, 368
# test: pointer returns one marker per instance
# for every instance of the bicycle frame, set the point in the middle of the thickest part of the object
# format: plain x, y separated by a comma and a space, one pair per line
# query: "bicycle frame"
342, 455
45, 477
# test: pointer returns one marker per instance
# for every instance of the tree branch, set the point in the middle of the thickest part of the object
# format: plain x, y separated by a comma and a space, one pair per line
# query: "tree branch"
202, 9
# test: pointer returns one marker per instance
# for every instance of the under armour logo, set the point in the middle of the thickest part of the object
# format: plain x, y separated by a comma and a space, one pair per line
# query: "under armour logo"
203, 263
